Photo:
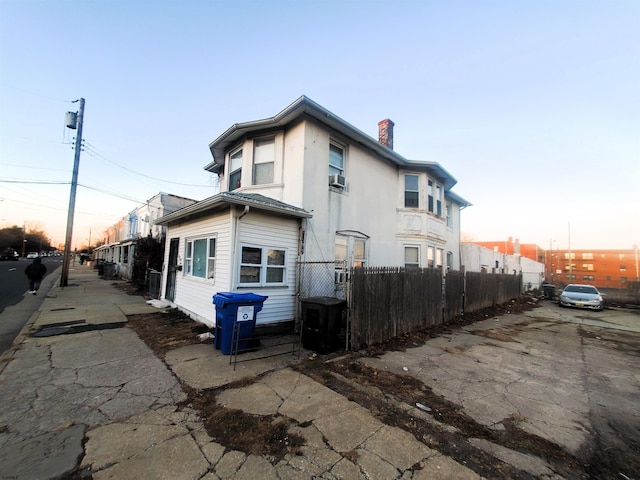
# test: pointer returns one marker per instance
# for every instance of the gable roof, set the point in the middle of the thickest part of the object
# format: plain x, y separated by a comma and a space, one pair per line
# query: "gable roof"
224, 200
305, 106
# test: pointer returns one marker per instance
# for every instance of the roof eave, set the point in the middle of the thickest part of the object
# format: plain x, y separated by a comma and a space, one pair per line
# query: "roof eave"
226, 198
304, 105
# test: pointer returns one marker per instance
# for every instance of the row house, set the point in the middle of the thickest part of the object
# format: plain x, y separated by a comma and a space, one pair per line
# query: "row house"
120, 239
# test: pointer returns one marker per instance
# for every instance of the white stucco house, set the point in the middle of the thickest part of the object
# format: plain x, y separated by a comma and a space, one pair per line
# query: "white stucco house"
306, 186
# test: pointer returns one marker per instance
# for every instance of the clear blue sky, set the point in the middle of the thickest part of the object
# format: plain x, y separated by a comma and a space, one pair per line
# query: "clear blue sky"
534, 106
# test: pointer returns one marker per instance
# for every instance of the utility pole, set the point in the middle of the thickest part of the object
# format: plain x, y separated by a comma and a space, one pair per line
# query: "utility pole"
73, 121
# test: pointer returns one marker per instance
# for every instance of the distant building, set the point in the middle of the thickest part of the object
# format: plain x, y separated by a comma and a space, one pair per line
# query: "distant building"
602, 268
514, 247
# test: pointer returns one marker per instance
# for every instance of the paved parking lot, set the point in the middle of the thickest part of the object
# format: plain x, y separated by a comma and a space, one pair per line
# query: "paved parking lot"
568, 378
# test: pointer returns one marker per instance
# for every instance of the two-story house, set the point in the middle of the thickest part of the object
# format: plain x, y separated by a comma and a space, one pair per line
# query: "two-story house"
306, 186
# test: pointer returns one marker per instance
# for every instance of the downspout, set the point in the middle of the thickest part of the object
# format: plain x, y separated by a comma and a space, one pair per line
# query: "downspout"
234, 258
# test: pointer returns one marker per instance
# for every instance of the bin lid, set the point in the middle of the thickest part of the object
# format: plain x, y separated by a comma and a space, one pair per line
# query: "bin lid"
221, 299
323, 300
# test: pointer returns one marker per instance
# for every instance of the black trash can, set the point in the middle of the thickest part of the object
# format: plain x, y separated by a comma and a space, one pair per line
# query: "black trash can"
549, 291
229, 311
321, 323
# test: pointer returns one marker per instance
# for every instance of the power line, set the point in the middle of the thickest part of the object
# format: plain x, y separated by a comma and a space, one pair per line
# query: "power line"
112, 194
91, 148
35, 182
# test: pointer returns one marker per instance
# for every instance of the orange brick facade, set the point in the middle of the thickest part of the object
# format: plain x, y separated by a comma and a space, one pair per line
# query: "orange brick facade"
602, 268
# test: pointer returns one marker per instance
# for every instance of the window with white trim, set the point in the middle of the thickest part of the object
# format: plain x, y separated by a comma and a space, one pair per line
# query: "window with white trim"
200, 257
262, 266
438, 200
411, 257
411, 191
430, 195
447, 209
431, 257
235, 170
336, 159
264, 154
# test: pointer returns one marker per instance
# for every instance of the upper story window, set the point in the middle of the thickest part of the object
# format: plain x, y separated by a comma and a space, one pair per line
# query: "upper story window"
430, 195
447, 210
235, 169
438, 200
587, 256
411, 191
200, 257
264, 154
336, 159
262, 266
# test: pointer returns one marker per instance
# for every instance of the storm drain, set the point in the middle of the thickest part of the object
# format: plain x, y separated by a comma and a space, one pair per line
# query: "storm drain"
74, 326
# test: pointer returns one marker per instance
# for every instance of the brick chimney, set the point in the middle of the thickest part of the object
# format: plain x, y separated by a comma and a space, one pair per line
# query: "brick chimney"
385, 132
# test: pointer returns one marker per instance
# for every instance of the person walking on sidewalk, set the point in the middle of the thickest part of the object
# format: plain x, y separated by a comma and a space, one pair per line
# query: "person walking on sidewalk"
35, 271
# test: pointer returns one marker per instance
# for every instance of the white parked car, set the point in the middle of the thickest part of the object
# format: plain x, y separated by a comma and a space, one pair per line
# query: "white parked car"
32, 255
583, 296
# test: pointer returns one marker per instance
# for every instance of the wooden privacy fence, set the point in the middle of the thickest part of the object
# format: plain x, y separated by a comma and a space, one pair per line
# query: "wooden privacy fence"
484, 290
390, 301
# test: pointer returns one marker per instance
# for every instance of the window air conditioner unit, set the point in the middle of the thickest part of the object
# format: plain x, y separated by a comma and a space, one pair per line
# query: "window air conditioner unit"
336, 181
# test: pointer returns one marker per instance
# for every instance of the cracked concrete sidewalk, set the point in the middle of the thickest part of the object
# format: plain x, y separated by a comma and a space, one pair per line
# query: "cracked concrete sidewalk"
96, 400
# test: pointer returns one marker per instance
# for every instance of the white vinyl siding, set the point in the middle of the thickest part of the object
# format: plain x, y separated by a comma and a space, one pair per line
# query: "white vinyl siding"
194, 294
260, 230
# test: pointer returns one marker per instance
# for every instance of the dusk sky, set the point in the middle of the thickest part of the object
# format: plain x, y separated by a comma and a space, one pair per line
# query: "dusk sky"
533, 105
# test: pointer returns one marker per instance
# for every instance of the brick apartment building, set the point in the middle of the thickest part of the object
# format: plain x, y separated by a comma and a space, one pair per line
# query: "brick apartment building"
602, 268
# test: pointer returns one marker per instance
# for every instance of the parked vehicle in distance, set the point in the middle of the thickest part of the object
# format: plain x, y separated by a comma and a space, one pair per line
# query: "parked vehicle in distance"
32, 255
9, 254
582, 296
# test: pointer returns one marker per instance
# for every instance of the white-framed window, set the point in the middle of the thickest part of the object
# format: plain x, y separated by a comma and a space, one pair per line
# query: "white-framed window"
411, 257
200, 257
449, 260
438, 200
262, 266
439, 257
411, 191
447, 210
336, 159
430, 195
235, 169
264, 155
431, 257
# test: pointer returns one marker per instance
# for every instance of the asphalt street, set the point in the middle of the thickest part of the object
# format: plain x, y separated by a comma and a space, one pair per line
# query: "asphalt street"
16, 305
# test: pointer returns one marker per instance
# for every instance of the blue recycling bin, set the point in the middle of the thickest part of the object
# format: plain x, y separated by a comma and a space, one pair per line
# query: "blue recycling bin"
234, 307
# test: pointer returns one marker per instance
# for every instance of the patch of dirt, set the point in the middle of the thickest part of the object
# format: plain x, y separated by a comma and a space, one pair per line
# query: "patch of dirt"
166, 330
237, 430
